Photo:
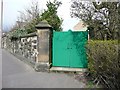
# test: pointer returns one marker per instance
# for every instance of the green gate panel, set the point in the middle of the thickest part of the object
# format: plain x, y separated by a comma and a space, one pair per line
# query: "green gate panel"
78, 51
60, 52
69, 49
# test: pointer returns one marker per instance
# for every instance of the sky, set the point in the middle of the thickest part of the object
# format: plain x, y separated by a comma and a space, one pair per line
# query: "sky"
11, 8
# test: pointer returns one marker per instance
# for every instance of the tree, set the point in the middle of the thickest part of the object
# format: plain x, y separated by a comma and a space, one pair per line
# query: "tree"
50, 15
102, 17
30, 17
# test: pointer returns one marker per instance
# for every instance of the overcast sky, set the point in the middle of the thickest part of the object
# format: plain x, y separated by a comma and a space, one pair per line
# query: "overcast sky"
11, 8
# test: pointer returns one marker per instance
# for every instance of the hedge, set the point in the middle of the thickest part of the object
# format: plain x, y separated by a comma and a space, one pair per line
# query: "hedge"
104, 63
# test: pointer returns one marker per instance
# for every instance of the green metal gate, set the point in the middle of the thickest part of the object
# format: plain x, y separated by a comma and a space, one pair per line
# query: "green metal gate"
69, 49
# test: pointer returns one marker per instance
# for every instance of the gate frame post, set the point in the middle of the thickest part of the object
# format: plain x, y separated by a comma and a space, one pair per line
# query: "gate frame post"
44, 64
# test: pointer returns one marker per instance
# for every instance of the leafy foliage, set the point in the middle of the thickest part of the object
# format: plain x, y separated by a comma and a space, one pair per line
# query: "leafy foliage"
32, 17
50, 15
102, 18
17, 33
26, 21
104, 64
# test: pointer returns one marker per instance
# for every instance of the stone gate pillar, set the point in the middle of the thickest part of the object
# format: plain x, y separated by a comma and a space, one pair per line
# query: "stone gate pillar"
44, 46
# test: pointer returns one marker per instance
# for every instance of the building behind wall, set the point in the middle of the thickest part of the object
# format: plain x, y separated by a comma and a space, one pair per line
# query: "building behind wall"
80, 26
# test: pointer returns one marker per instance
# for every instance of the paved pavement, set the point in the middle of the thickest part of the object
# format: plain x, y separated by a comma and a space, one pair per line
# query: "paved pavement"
17, 74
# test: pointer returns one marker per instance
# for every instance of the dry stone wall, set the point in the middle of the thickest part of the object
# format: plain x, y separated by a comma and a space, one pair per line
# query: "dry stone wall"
25, 46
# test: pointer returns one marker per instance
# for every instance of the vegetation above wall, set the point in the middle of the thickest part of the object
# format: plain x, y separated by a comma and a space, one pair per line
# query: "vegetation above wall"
102, 17
32, 16
17, 33
50, 15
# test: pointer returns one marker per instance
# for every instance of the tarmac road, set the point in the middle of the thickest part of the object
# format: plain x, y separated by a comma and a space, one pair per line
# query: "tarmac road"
17, 74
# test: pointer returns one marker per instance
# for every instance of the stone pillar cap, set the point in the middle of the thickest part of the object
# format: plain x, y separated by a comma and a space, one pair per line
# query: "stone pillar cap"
43, 25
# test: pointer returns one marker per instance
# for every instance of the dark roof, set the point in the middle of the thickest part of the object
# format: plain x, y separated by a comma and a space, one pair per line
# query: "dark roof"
43, 24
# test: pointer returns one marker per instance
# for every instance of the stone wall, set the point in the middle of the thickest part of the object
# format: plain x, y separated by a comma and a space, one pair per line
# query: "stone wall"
32, 48
25, 46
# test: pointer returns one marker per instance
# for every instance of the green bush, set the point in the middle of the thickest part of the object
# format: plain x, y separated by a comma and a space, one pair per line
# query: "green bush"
103, 62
